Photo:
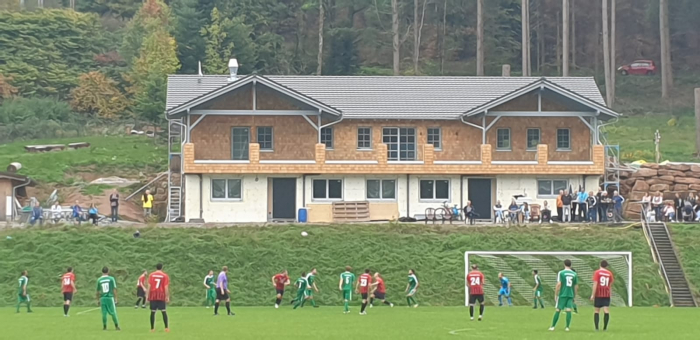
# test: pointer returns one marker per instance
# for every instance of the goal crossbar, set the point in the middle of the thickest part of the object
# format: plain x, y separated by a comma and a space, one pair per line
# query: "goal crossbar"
626, 254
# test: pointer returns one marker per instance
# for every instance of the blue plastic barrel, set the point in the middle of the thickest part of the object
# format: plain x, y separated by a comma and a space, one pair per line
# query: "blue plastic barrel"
302, 215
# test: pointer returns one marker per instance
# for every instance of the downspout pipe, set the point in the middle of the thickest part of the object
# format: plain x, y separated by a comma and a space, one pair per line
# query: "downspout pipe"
604, 125
14, 195
408, 195
201, 202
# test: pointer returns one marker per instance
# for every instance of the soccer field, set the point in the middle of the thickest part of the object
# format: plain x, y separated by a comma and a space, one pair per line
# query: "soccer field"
330, 323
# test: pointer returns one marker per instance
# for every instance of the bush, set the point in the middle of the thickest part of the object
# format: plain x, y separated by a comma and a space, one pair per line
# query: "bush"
32, 118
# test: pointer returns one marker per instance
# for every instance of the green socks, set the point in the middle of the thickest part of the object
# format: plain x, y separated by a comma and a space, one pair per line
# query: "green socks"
313, 302
568, 319
298, 303
347, 306
556, 319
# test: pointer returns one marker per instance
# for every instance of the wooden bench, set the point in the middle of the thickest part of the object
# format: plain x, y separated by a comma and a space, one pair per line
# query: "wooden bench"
44, 148
79, 145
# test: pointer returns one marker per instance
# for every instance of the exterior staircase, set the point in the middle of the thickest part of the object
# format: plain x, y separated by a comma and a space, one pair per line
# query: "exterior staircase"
669, 263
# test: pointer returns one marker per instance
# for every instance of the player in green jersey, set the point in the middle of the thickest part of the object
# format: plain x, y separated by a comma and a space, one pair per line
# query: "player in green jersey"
22, 294
573, 303
411, 289
538, 290
567, 289
311, 286
347, 279
210, 284
107, 298
301, 285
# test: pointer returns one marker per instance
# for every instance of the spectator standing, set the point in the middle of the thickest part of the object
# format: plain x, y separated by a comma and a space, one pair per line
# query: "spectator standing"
525, 211
560, 206
678, 204
114, 204
617, 206
592, 205
56, 212
646, 202
566, 206
77, 212
147, 200
692, 199
37, 214
657, 203
92, 213
601, 210
546, 214
498, 211
469, 213
583, 205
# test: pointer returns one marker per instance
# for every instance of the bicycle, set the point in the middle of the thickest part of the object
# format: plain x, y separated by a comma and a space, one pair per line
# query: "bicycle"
443, 213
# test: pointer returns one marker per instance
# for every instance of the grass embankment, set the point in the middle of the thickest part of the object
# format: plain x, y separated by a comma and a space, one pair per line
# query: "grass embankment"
254, 254
107, 155
686, 238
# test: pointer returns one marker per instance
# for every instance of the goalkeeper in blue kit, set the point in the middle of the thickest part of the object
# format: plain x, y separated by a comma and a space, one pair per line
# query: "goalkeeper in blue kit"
504, 291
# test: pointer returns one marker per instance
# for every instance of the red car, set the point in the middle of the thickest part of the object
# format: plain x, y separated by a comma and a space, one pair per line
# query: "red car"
640, 67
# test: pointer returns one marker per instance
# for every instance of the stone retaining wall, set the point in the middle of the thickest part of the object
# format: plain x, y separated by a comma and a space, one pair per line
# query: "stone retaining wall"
668, 179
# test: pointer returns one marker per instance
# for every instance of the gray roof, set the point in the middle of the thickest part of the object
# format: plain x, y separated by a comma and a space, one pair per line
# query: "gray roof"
360, 97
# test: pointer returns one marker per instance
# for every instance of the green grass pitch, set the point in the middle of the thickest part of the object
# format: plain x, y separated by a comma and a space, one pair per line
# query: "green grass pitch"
326, 322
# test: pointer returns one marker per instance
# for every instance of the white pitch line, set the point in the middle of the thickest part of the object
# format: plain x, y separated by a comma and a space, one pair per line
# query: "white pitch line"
89, 310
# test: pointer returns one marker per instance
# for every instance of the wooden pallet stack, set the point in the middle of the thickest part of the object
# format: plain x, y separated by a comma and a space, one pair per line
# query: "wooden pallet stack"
351, 211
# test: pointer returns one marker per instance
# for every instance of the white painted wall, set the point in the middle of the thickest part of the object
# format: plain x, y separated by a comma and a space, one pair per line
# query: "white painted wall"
509, 185
251, 208
419, 206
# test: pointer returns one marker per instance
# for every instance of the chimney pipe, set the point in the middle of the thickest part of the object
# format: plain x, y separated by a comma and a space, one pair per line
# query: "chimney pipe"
505, 71
233, 69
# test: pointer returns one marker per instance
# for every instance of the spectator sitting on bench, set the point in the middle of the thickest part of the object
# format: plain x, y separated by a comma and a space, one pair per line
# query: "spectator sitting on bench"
688, 213
37, 214
469, 213
77, 212
513, 211
498, 211
669, 212
56, 211
546, 214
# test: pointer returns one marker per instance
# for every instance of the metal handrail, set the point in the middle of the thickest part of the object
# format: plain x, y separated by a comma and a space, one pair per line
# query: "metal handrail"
675, 253
655, 252
160, 175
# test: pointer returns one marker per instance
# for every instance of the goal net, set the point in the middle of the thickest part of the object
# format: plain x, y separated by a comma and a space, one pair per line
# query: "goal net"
518, 267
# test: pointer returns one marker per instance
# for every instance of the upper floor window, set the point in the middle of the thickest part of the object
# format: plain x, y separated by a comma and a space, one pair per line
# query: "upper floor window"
240, 141
327, 137
435, 138
503, 139
265, 138
364, 138
400, 143
563, 139
533, 138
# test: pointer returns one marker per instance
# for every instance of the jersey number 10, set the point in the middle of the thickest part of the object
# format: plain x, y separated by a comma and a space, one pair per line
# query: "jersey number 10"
105, 287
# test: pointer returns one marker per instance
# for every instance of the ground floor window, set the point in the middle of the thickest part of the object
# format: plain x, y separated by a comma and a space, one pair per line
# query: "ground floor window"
226, 189
381, 189
551, 187
438, 189
328, 189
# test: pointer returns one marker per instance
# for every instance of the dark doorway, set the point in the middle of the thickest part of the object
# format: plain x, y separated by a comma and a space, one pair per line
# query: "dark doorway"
284, 198
479, 192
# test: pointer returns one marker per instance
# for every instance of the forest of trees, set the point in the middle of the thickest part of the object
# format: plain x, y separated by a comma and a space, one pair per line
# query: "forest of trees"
110, 58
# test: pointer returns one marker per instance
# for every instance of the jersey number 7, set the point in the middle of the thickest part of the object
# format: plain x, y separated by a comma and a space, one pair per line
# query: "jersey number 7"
157, 283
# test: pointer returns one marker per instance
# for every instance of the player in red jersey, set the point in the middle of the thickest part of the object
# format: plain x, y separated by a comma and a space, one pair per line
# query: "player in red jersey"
68, 289
379, 291
280, 281
602, 281
364, 283
141, 290
475, 282
159, 295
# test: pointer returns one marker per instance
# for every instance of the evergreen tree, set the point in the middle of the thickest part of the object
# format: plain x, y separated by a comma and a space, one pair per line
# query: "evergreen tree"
189, 20
225, 39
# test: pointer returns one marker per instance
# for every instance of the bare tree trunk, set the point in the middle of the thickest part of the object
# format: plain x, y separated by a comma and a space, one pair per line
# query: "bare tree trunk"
666, 71
525, 45
480, 37
573, 34
416, 43
697, 122
444, 30
613, 49
558, 45
395, 34
596, 55
321, 15
529, 41
540, 39
566, 35
606, 53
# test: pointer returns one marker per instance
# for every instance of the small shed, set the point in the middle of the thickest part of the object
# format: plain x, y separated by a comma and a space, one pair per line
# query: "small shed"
11, 184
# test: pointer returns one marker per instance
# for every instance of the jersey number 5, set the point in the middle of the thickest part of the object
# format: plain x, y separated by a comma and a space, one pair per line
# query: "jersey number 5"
475, 281
604, 281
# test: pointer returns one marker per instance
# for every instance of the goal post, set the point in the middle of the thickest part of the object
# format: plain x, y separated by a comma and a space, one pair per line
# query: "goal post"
517, 266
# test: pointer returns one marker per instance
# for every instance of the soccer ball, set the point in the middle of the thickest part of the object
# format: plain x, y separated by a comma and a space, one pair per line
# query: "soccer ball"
303, 233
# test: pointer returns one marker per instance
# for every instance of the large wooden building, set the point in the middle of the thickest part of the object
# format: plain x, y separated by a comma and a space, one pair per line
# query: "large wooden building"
257, 148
